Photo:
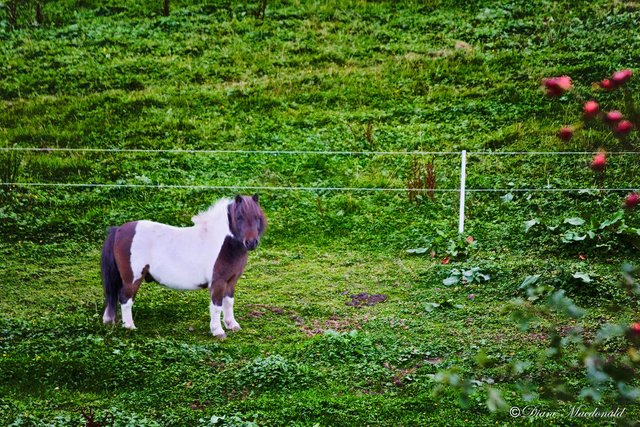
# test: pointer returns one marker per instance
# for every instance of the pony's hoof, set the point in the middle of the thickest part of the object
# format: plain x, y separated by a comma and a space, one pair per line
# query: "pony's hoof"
233, 326
131, 327
218, 333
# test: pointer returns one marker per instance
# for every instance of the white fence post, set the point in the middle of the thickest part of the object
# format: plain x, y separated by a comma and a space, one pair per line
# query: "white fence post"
463, 178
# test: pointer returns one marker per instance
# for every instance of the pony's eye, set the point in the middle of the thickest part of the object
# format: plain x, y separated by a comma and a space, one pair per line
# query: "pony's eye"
240, 218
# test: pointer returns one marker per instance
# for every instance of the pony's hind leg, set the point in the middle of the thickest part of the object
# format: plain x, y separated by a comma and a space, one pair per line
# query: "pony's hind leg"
127, 295
111, 278
127, 314
109, 316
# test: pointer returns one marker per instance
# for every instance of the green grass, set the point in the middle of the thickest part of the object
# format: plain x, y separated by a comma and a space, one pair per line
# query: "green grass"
434, 76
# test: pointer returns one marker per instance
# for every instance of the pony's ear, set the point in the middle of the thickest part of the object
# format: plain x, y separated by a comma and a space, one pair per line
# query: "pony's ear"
238, 199
255, 197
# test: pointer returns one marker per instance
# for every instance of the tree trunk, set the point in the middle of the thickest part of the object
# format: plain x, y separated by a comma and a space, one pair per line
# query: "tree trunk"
165, 8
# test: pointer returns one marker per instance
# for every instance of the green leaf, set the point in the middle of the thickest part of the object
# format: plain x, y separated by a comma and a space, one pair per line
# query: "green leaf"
507, 197
631, 393
631, 231
430, 306
582, 276
529, 280
417, 251
609, 331
530, 223
563, 303
520, 366
614, 219
590, 393
451, 280
495, 400
570, 236
484, 277
574, 221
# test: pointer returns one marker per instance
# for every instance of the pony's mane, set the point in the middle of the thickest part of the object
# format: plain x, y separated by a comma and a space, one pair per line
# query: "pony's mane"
215, 212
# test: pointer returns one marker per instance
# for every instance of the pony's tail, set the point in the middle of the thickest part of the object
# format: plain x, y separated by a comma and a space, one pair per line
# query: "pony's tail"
111, 280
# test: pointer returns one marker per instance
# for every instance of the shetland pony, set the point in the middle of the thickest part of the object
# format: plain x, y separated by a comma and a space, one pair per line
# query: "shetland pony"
210, 255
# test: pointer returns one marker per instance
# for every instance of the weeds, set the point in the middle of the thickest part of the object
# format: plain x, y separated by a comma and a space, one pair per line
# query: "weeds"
10, 166
90, 418
421, 180
273, 371
261, 10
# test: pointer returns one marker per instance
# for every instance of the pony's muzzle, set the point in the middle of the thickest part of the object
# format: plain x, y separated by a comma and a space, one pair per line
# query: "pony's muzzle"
251, 244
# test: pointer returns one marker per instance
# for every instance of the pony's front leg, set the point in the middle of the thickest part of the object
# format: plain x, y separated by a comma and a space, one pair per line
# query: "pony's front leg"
227, 310
215, 308
227, 307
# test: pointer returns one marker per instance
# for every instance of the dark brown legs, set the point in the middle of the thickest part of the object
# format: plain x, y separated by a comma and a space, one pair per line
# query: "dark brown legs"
222, 303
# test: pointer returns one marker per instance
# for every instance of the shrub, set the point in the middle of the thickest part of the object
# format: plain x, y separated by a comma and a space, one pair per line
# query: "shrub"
272, 372
336, 347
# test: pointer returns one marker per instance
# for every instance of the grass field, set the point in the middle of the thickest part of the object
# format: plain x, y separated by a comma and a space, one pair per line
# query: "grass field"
338, 76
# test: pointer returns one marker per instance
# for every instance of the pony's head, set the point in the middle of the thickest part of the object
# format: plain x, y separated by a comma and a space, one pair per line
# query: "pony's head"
246, 220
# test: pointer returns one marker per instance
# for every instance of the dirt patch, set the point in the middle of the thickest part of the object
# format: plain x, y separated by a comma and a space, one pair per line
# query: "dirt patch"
333, 323
459, 46
315, 326
434, 361
535, 337
196, 405
365, 299
261, 310
255, 314
402, 376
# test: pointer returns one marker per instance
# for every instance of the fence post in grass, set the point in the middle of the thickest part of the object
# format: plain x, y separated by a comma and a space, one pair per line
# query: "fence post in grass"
463, 178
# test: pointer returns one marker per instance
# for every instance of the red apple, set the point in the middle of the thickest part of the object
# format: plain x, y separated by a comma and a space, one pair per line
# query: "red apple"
607, 84
635, 328
590, 109
599, 161
613, 116
552, 87
621, 77
565, 134
623, 128
556, 86
631, 201
564, 82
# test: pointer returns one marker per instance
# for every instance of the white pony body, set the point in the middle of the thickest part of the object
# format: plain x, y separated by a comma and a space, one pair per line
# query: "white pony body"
181, 258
